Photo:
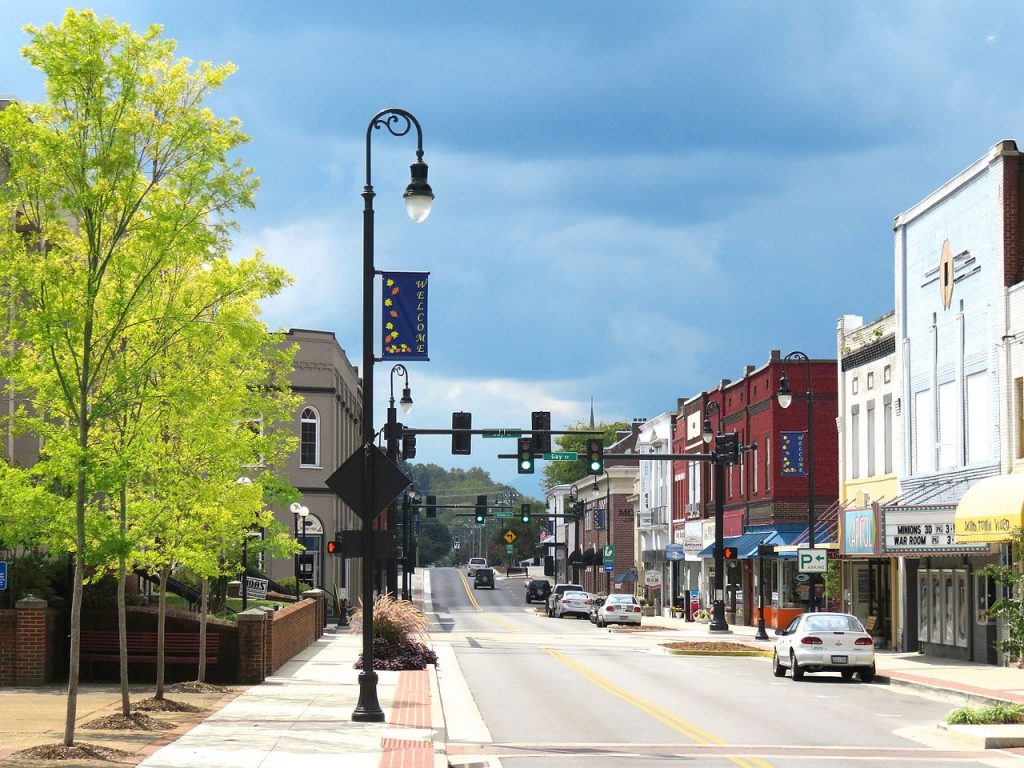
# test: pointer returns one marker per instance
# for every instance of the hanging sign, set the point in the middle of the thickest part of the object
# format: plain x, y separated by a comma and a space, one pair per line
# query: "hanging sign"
404, 323
793, 454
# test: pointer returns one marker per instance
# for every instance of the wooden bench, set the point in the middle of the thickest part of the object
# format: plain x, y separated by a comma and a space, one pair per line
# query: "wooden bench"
179, 647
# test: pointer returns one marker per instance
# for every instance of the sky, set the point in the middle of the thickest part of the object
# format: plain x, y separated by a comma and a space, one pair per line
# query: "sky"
633, 201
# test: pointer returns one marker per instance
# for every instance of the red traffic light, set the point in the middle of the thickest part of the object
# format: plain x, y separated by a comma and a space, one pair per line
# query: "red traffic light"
334, 547
729, 553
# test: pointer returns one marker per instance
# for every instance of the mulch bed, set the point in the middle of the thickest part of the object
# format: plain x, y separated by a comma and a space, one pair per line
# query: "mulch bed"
194, 686
76, 752
134, 722
163, 705
713, 646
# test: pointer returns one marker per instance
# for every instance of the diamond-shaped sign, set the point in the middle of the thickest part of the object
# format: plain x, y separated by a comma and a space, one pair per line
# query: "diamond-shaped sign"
388, 482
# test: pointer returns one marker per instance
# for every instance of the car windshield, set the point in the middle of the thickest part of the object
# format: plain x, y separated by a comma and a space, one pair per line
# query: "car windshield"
627, 599
576, 595
832, 624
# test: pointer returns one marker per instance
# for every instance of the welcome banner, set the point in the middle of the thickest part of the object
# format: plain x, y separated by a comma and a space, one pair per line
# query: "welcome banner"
793, 464
404, 322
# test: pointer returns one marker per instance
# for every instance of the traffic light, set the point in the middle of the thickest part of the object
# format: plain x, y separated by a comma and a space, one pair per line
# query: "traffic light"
541, 421
595, 456
729, 553
727, 448
462, 441
524, 512
408, 445
525, 456
431, 506
481, 508
334, 545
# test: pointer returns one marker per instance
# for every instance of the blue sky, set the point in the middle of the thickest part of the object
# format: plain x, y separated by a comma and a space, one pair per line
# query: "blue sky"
633, 200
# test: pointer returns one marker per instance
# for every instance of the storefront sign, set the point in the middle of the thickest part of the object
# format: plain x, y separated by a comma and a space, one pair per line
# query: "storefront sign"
922, 530
859, 532
707, 533
652, 579
674, 552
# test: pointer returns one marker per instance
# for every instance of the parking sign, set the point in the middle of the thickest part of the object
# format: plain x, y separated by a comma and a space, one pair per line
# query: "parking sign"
812, 560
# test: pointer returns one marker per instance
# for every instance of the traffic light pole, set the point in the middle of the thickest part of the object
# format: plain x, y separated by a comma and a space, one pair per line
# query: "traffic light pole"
718, 622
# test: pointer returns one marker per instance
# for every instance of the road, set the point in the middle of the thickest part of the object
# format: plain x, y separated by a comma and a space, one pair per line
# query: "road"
525, 691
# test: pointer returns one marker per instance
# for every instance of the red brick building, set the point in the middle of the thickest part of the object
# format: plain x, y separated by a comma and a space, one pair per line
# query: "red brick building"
766, 492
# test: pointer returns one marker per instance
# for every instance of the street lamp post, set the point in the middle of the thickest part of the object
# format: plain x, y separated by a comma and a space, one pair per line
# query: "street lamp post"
574, 496
301, 512
392, 438
718, 622
785, 397
243, 480
418, 198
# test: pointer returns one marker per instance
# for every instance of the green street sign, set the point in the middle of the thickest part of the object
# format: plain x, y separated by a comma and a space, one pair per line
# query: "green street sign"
609, 550
560, 456
508, 549
504, 433
503, 513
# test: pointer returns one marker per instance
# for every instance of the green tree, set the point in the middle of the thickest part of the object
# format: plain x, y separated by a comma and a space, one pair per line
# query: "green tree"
121, 177
1011, 607
566, 472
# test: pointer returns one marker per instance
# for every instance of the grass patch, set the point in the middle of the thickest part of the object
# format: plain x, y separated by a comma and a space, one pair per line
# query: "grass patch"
1002, 713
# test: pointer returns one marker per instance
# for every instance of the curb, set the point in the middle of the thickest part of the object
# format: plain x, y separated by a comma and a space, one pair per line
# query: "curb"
986, 736
438, 725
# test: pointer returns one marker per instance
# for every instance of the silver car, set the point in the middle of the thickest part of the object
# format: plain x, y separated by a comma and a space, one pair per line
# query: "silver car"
574, 604
824, 642
618, 609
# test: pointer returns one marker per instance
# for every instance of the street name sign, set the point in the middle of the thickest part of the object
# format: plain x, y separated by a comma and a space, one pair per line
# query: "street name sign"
509, 536
503, 513
508, 549
503, 433
560, 456
812, 560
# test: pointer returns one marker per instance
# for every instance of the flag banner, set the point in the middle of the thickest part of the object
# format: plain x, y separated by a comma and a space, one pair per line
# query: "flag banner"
404, 321
793, 464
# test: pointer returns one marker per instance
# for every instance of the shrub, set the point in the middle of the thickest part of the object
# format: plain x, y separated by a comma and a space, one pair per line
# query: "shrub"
995, 714
396, 625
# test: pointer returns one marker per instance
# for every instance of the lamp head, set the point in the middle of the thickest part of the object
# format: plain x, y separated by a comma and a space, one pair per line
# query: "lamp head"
294, 507
785, 396
418, 195
303, 511
706, 432
406, 402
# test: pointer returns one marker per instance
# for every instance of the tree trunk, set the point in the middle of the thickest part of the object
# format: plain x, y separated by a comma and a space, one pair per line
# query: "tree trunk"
201, 677
122, 613
161, 621
76, 634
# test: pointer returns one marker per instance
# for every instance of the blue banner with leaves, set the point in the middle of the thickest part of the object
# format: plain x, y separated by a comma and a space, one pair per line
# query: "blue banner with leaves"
793, 445
404, 322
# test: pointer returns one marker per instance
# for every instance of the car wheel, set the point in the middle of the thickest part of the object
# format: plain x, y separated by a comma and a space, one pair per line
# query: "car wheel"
847, 674
867, 674
798, 671
777, 669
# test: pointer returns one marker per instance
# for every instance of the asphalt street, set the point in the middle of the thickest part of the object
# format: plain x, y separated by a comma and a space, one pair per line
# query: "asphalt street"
530, 691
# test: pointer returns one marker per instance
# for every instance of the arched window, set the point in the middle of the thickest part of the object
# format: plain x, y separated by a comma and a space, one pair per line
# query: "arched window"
309, 438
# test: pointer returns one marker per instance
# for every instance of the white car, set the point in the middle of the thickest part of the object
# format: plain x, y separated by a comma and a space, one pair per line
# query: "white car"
618, 609
476, 562
574, 604
824, 642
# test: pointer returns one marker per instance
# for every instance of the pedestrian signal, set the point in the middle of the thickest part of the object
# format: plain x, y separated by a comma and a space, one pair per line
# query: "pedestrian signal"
729, 553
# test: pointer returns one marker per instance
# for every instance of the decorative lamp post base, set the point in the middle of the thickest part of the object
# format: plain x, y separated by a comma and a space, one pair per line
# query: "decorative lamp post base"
718, 623
368, 708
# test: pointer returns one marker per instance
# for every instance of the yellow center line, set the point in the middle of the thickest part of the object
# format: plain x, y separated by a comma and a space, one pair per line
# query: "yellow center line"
661, 715
476, 605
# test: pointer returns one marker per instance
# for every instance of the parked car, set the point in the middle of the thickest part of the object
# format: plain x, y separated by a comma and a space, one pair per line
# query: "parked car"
538, 589
824, 642
618, 609
598, 602
484, 577
574, 604
556, 595
476, 562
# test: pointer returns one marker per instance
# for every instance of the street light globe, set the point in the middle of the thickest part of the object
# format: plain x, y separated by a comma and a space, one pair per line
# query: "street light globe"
785, 397
406, 402
303, 511
707, 434
294, 507
418, 195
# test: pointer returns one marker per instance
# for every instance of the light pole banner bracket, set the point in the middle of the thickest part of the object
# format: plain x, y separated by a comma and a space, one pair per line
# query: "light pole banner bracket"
404, 316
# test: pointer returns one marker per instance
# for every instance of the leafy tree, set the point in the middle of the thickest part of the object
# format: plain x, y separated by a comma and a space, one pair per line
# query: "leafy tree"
1010, 608
566, 472
119, 179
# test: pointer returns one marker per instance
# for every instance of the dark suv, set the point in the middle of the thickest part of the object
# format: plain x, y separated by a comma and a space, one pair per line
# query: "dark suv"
538, 589
484, 577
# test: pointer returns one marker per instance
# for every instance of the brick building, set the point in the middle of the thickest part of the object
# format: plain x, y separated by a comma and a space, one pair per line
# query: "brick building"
766, 492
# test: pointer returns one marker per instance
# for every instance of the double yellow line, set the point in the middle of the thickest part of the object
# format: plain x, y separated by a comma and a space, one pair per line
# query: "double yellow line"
661, 715
472, 599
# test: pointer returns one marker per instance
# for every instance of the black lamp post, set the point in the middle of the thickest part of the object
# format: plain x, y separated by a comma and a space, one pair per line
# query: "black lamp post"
785, 397
392, 438
718, 622
301, 513
418, 198
574, 496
